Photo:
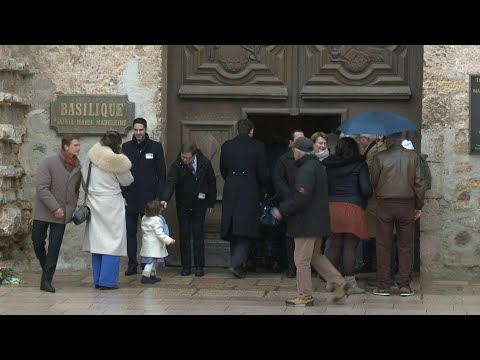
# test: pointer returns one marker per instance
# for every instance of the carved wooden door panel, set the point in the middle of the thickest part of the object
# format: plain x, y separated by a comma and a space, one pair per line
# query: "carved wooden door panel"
210, 87
207, 87
357, 78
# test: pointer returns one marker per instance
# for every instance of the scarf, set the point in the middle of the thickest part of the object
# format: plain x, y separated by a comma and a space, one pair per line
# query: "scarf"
322, 154
70, 160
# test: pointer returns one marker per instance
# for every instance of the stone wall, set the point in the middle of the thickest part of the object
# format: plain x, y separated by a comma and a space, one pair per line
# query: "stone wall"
450, 238
15, 102
133, 70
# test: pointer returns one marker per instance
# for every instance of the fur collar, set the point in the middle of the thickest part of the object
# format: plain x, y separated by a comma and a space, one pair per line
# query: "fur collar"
107, 160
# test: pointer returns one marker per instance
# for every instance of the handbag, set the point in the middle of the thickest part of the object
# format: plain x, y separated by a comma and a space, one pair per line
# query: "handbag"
82, 214
266, 217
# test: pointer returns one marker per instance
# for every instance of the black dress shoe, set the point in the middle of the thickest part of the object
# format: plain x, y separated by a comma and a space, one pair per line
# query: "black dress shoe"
199, 272
147, 280
238, 272
47, 286
108, 287
186, 272
131, 270
156, 279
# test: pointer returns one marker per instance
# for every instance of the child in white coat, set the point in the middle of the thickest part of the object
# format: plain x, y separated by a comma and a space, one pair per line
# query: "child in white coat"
154, 241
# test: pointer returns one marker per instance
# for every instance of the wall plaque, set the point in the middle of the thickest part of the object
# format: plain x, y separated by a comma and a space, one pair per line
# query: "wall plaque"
91, 114
475, 114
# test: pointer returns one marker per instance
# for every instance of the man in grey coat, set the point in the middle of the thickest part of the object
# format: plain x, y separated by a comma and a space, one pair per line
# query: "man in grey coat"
57, 183
309, 204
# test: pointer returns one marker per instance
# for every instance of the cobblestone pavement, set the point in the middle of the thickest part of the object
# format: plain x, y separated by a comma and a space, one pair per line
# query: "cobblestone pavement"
219, 293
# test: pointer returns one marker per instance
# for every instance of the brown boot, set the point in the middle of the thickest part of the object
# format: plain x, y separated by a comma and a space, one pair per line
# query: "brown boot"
341, 293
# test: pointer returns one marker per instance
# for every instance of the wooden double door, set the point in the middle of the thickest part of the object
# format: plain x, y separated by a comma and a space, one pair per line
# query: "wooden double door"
281, 88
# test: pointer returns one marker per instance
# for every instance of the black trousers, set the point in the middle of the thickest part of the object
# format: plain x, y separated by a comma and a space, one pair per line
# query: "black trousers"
132, 222
191, 221
290, 250
239, 247
48, 260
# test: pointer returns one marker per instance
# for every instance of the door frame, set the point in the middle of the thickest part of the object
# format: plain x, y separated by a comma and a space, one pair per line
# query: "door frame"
246, 111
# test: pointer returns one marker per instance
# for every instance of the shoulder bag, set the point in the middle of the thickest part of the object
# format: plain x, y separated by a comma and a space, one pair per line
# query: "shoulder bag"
82, 214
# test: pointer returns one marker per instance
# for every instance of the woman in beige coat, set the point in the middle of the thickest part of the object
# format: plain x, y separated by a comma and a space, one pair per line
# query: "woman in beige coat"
105, 233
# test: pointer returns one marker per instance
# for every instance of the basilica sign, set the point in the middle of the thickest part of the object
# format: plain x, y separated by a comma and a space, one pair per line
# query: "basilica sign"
475, 114
91, 114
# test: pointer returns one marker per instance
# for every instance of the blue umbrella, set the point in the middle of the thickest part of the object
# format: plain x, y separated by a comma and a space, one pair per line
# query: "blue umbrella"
376, 123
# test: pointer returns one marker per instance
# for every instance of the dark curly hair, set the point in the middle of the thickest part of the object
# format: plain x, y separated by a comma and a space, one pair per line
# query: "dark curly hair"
113, 140
347, 148
153, 208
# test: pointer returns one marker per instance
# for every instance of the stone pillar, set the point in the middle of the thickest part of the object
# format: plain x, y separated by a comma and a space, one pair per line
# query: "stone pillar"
15, 211
450, 226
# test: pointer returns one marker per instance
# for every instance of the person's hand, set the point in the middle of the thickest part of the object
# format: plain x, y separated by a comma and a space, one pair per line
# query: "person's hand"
276, 214
59, 213
173, 242
164, 204
418, 213
209, 210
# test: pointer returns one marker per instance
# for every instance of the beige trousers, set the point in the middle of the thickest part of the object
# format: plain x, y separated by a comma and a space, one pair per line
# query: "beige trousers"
308, 250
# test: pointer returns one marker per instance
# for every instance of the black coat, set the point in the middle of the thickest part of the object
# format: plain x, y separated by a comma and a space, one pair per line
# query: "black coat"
348, 181
148, 170
188, 186
284, 175
284, 182
243, 165
309, 202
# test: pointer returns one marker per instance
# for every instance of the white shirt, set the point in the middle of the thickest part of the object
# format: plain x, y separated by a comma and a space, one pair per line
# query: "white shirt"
194, 163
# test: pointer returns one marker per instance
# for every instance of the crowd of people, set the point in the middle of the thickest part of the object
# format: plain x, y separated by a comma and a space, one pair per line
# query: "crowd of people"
327, 202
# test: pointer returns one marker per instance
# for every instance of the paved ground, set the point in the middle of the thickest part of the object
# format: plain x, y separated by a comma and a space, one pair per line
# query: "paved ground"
218, 293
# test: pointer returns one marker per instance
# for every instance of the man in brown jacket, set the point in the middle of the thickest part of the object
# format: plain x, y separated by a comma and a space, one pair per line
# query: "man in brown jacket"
370, 145
58, 183
400, 190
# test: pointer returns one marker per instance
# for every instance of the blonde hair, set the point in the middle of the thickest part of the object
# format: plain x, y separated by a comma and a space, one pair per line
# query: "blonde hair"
318, 134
